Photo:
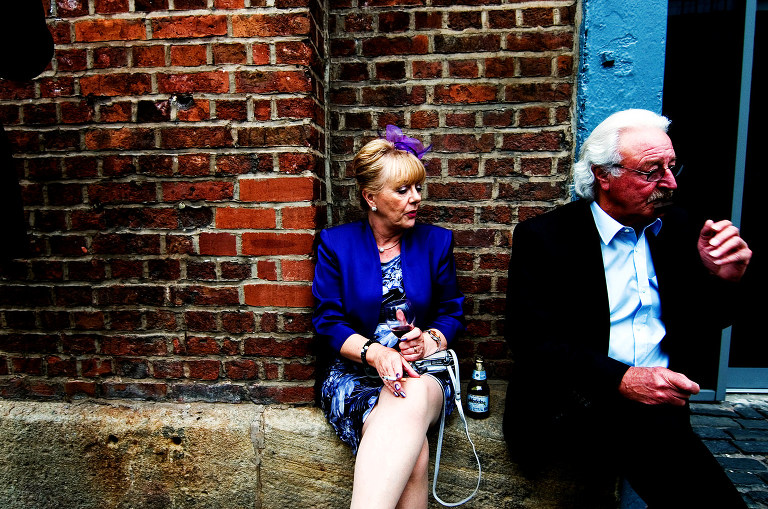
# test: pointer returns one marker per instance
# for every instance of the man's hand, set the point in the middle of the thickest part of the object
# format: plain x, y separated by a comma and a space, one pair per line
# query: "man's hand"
723, 252
657, 386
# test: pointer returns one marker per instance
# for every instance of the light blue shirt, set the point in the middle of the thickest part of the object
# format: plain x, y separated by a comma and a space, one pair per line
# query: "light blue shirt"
633, 292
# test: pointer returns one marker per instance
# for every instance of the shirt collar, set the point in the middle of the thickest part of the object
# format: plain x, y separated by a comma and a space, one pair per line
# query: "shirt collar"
608, 227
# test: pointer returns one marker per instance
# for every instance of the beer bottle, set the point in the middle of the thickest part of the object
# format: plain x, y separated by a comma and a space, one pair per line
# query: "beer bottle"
478, 394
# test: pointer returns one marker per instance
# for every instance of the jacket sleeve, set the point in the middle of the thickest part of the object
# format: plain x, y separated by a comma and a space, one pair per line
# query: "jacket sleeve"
448, 301
27, 45
328, 318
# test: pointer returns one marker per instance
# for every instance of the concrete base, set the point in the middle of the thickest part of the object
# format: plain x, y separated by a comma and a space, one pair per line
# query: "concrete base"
156, 455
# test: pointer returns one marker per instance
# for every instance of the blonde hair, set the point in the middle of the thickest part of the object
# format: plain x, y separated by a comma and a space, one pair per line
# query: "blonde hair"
379, 163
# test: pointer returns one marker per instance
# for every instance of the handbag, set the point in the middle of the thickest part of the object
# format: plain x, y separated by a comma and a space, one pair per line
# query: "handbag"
446, 360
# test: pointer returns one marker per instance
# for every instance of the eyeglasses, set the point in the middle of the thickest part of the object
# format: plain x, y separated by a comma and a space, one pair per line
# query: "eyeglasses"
656, 174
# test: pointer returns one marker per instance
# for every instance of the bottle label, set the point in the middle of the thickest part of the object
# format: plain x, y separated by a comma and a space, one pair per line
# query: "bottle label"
478, 375
477, 404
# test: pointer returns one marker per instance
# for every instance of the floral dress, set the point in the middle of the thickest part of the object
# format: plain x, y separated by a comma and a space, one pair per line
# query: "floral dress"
348, 395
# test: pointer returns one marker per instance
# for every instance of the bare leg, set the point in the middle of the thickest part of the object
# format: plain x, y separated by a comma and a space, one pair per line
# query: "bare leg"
416, 492
394, 437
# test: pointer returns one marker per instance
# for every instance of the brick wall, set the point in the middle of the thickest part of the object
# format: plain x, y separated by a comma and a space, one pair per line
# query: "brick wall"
490, 84
173, 164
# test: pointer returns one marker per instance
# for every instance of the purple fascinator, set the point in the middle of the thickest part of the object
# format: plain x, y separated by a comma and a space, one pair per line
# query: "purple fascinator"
403, 142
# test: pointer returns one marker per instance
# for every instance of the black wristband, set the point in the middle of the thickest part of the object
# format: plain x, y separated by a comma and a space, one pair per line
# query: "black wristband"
367, 367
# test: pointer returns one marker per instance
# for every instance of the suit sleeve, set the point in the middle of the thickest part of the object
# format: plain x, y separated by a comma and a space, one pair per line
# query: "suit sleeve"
448, 301
27, 45
328, 318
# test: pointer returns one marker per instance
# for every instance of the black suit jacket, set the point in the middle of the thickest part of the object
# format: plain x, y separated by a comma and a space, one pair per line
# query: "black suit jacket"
558, 317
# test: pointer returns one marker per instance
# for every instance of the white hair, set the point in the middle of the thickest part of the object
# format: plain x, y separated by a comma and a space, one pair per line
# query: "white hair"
601, 148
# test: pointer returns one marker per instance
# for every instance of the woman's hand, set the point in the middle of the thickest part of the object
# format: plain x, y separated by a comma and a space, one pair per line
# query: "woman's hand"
391, 367
416, 345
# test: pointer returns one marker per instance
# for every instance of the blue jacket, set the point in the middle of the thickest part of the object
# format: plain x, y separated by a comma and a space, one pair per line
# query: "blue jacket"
347, 284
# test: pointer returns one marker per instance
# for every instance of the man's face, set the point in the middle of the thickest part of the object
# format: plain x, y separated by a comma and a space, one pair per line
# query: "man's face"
630, 198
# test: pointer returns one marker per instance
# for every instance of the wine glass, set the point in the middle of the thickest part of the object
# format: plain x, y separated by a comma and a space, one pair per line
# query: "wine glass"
399, 316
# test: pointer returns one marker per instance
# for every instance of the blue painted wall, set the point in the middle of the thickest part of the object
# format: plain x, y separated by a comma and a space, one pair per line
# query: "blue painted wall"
621, 59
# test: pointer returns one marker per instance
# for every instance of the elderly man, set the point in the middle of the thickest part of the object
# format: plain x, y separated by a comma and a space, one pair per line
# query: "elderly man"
610, 303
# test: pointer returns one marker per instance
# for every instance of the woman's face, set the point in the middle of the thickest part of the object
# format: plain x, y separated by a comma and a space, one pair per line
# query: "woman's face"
397, 205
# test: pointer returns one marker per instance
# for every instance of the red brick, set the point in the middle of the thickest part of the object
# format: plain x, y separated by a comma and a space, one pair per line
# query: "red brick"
203, 369
294, 53
216, 82
267, 270
298, 270
232, 110
218, 244
168, 369
294, 218
149, 56
278, 189
200, 345
390, 46
265, 82
185, 27
115, 112
229, 54
293, 163
188, 55
208, 191
266, 25
530, 67
199, 295
200, 110
71, 8
118, 84
109, 29
279, 295
200, 321
125, 138
542, 140
269, 347
461, 93
110, 6
92, 368
122, 192
538, 16
238, 322
299, 371
242, 369
133, 345
240, 218
197, 137
467, 191
258, 244
260, 54
76, 388
104, 58
540, 41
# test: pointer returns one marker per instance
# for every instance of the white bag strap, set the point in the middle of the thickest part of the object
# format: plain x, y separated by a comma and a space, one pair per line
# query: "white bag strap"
456, 381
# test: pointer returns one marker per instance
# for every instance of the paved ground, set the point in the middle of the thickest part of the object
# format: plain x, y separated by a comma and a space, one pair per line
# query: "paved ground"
736, 431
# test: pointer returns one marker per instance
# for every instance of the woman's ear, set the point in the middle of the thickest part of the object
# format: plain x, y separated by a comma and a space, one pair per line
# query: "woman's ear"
368, 197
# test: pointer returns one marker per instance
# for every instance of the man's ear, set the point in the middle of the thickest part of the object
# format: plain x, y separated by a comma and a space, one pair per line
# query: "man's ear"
602, 177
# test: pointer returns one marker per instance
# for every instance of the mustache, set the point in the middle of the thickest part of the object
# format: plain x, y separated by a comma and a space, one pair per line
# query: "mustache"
661, 195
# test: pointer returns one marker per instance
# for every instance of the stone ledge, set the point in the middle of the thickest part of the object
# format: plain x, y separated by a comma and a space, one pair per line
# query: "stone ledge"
201, 455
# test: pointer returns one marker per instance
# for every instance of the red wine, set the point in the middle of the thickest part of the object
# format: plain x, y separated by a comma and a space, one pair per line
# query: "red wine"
401, 330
